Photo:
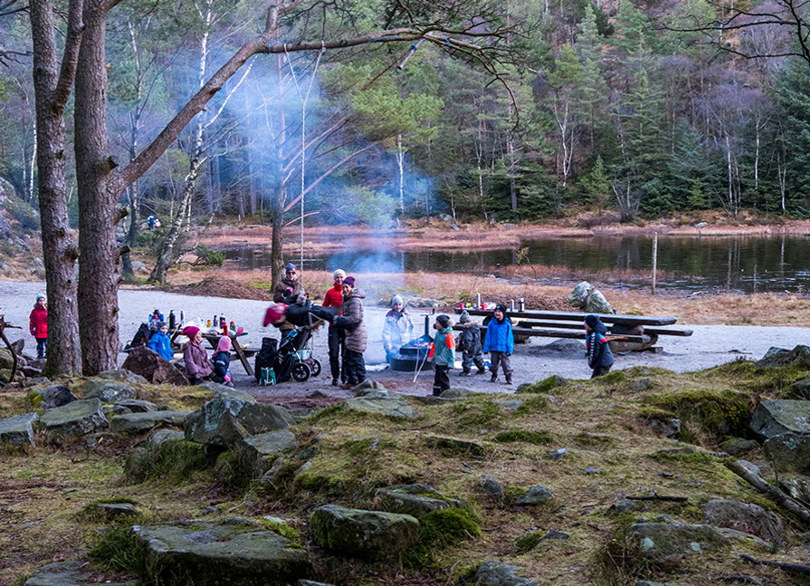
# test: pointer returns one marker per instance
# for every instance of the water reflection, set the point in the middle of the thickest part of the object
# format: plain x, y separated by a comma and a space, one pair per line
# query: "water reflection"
745, 263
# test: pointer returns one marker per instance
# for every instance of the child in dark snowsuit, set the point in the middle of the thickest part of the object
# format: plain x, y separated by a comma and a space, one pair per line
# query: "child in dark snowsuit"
222, 361
469, 344
600, 358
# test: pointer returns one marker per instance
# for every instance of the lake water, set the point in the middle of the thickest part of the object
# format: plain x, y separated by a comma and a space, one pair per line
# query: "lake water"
744, 263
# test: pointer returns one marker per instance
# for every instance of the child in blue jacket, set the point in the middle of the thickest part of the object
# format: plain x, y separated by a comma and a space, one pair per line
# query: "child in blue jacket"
443, 353
500, 342
161, 343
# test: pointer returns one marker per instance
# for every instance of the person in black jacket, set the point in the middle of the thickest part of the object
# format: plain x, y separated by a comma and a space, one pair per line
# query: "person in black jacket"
469, 345
600, 358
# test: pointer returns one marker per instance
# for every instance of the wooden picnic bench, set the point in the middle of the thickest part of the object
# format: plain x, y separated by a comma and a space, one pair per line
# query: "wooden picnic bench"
236, 347
625, 332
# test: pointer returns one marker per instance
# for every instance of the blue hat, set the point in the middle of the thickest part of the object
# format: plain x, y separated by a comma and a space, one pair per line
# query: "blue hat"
289, 267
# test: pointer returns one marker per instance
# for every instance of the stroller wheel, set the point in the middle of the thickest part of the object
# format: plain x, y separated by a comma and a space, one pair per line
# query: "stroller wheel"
315, 367
300, 372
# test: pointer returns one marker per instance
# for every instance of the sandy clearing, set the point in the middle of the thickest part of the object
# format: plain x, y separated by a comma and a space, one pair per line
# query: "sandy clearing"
708, 346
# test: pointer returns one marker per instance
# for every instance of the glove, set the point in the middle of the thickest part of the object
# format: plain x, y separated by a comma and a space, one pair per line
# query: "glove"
507, 353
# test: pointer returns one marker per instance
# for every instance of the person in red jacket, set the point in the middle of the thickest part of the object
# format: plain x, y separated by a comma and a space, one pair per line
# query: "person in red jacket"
38, 324
334, 298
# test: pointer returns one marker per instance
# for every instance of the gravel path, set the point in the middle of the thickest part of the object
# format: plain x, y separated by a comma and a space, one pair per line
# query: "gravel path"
708, 346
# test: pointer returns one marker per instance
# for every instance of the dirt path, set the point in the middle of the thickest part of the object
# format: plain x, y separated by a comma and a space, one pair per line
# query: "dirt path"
710, 345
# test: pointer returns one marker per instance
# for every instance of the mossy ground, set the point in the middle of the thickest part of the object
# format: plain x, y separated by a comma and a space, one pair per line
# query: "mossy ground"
612, 454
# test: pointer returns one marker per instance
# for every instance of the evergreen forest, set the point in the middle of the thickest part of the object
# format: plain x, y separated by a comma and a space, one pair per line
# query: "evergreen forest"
637, 108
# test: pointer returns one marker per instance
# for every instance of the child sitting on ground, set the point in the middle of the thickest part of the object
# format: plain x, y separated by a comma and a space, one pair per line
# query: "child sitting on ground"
469, 344
222, 360
198, 367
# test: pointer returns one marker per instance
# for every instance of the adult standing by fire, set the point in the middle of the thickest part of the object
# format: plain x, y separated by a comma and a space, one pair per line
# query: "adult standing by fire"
398, 327
337, 336
351, 320
289, 291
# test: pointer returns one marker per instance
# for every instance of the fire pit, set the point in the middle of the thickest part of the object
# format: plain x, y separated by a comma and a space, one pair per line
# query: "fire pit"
413, 354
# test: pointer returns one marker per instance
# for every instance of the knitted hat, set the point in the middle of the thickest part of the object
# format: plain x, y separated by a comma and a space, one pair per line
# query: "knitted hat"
41, 296
591, 320
501, 307
397, 299
224, 344
160, 324
339, 273
349, 281
289, 267
444, 320
191, 332
464, 318
274, 314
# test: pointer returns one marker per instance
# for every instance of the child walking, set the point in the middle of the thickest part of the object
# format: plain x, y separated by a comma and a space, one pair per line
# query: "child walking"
469, 344
38, 324
500, 342
443, 353
597, 349
222, 361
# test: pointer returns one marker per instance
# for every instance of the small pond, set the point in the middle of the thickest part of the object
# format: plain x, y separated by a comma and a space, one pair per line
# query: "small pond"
743, 263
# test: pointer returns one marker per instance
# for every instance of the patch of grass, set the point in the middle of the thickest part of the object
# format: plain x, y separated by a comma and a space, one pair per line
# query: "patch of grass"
119, 550
544, 386
715, 413
282, 528
533, 405
170, 461
477, 413
441, 529
529, 541
522, 435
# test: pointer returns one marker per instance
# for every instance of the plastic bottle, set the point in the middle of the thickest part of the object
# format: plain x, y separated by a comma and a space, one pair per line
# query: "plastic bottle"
172, 321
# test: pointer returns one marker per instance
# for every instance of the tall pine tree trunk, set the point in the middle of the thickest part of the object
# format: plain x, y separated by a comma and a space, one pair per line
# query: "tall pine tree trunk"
99, 260
58, 245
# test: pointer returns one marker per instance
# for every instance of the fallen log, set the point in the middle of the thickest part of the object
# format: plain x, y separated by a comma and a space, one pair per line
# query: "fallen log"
768, 490
799, 568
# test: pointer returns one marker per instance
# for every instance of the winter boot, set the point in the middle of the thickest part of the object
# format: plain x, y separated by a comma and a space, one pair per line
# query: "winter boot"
494, 377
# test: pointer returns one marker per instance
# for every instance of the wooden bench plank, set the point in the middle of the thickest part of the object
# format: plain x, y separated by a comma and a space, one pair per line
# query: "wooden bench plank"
619, 318
665, 331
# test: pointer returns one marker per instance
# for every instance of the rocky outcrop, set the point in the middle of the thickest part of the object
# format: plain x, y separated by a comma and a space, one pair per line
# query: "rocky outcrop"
237, 551
134, 406
257, 453
664, 545
789, 452
536, 495
107, 391
498, 574
800, 355
777, 416
366, 534
134, 423
232, 416
153, 367
51, 396
123, 375
381, 403
69, 573
72, 420
416, 500
745, 517
18, 430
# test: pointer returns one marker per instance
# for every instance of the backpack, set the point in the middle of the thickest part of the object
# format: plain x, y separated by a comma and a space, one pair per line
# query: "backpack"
266, 356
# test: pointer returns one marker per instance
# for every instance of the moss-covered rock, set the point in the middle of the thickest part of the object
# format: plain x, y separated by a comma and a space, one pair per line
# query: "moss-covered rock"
367, 534
544, 386
664, 545
716, 413
416, 500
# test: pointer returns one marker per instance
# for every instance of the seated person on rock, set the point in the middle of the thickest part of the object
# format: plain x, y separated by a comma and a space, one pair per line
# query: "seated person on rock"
198, 367
161, 343
222, 361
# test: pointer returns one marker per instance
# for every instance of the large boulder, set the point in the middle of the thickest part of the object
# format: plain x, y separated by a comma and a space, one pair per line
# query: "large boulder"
492, 573
232, 416
74, 419
777, 416
5, 228
416, 500
257, 453
6, 360
789, 452
134, 406
18, 430
366, 534
589, 299
236, 551
51, 396
134, 423
107, 391
385, 405
800, 355
153, 367
745, 517
664, 545
123, 375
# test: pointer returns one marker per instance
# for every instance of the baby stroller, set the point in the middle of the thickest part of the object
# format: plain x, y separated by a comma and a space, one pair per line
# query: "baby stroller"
291, 359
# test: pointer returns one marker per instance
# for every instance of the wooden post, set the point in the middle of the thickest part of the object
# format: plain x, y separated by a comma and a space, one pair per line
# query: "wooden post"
654, 261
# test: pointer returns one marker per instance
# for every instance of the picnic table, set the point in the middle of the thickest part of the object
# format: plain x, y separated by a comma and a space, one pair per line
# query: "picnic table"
636, 332
237, 348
